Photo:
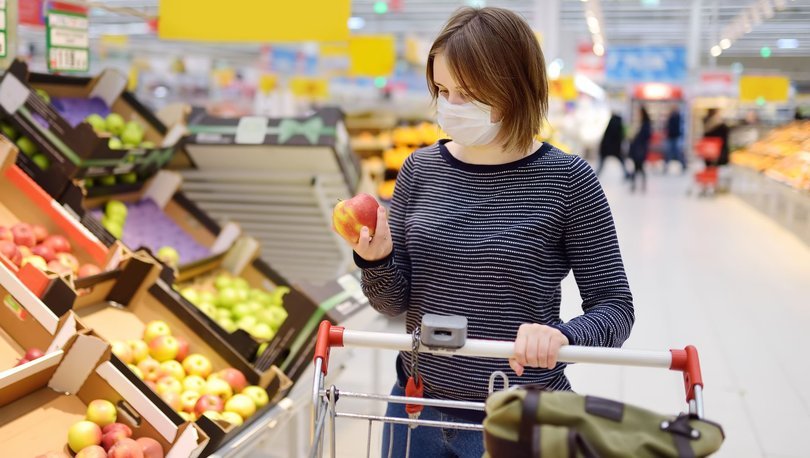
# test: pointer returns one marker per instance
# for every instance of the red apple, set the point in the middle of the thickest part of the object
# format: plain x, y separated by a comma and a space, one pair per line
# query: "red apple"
150, 447
34, 353
23, 234
349, 216
113, 437
117, 426
182, 348
126, 448
68, 260
151, 384
58, 268
208, 402
93, 451
5, 234
88, 270
10, 251
235, 378
58, 243
40, 233
22, 361
45, 252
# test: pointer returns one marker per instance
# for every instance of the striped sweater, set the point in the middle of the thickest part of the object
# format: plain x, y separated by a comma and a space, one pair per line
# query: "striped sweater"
493, 243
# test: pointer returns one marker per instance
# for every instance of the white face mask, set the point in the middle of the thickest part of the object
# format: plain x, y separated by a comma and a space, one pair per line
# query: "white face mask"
468, 124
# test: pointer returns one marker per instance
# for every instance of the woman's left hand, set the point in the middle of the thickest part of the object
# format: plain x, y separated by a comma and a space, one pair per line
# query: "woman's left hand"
536, 345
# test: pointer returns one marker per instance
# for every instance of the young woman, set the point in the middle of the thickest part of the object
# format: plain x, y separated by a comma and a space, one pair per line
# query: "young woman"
487, 225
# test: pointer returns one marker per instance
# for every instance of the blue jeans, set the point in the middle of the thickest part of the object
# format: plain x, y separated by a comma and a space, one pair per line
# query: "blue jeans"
428, 441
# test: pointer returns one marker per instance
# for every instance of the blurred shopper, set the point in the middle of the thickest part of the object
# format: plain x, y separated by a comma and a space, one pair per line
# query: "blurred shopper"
674, 143
611, 145
714, 126
486, 226
639, 148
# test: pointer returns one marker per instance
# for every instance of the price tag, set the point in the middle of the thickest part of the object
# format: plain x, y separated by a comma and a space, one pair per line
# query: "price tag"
68, 42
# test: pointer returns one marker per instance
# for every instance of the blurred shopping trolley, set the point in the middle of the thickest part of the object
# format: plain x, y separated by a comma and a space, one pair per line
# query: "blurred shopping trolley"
708, 180
510, 433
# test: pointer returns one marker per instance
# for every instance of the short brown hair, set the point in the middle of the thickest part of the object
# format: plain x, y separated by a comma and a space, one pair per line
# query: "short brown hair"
496, 59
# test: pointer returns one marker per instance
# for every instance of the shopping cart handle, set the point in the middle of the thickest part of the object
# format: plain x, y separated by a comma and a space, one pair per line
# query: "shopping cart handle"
683, 360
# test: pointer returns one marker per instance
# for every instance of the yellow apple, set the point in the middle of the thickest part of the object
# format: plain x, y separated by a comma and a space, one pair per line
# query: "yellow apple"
172, 368
218, 387
194, 383
197, 364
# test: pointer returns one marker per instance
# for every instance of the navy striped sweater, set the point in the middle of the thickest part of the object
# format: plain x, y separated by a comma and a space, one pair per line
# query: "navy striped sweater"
493, 243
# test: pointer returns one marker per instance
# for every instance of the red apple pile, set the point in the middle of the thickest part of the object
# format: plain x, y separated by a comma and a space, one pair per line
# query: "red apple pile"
30, 355
349, 216
25, 243
99, 436
187, 381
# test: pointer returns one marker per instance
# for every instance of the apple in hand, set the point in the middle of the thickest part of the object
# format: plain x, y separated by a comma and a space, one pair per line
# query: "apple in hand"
349, 216
150, 447
241, 404
197, 364
258, 394
125, 448
155, 329
83, 434
235, 378
23, 235
93, 451
208, 402
58, 243
101, 412
163, 348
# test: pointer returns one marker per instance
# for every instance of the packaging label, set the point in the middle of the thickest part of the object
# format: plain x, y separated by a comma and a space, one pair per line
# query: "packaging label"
68, 42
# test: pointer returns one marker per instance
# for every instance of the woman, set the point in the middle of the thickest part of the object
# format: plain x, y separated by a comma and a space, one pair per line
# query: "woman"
639, 148
715, 127
611, 144
487, 226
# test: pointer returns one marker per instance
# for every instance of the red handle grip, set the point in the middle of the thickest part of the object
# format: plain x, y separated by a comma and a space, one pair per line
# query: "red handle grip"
687, 361
328, 336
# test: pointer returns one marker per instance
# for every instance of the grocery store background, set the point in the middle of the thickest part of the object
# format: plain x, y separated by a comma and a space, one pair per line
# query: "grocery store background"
718, 258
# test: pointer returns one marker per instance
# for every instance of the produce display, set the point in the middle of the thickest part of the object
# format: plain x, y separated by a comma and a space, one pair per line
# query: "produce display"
25, 243
784, 155
30, 355
233, 304
144, 224
186, 381
26, 146
99, 436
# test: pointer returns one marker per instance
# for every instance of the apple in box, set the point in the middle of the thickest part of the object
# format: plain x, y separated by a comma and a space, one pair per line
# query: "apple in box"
208, 402
93, 451
45, 252
58, 243
351, 215
23, 235
10, 251
125, 448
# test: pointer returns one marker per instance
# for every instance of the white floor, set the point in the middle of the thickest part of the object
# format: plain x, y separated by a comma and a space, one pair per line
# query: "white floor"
711, 272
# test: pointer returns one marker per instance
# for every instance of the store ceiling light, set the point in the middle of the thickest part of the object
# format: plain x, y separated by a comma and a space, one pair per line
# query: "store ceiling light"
787, 43
765, 52
599, 49
725, 43
356, 23
593, 24
716, 51
650, 3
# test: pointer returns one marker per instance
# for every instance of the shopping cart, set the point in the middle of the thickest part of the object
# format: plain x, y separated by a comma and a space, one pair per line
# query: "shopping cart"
708, 149
428, 339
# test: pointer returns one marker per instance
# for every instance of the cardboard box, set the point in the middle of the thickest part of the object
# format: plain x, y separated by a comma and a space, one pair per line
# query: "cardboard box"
182, 218
41, 400
77, 150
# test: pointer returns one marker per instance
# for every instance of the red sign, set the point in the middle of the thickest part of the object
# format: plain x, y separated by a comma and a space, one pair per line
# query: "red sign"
658, 91
31, 12
589, 64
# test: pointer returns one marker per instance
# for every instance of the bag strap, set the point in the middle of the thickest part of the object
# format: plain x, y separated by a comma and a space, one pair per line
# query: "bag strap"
682, 435
577, 443
528, 419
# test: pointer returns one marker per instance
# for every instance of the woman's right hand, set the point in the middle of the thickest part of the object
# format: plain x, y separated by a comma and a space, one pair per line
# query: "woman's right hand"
377, 247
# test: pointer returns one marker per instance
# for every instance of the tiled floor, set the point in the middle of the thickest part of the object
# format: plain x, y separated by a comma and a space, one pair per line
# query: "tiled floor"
710, 272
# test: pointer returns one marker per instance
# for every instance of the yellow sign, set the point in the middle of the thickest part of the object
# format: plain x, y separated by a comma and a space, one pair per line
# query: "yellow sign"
372, 55
767, 88
334, 49
267, 82
254, 20
563, 88
311, 88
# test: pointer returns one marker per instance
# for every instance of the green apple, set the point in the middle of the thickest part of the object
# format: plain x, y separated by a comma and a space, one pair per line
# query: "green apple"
148, 145
9, 131
169, 255
207, 308
190, 294
207, 296
257, 394
222, 314
115, 123
43, 95
97, 123
241, 310
228, 325
115, 209
247, 322
155, 329
27, 146
41, 161
274, 316
223, 281
107, 181
262, 348
262, 331
115, 143
240, 283
128, 178
132, 134
228, 297
254, 307
242, 294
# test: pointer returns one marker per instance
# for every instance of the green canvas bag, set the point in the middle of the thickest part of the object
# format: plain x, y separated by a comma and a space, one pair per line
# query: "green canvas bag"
530, 423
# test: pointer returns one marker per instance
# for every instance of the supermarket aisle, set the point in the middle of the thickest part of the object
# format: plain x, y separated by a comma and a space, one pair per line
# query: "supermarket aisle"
708, 272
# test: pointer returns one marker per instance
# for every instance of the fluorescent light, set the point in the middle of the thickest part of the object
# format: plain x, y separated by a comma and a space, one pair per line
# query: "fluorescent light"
593, 24
787, 43
356, 23
725, 43
716, 51
599, 49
